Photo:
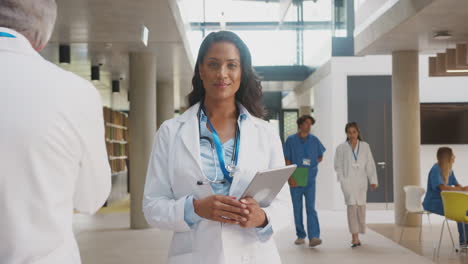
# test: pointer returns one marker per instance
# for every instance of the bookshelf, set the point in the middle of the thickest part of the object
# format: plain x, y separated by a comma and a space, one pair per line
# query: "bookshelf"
117, 144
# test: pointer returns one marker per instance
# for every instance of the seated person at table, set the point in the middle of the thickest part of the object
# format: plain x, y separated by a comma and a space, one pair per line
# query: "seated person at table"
441, 178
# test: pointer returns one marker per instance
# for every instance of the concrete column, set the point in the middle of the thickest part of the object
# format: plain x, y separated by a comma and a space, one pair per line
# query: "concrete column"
304, 102
165, 103
142, 129
304, 110
406, 130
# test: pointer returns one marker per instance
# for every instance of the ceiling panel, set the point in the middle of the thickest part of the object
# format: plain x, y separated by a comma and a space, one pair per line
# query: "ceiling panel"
416, 33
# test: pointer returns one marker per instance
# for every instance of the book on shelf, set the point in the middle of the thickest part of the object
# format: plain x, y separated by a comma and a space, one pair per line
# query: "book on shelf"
116, 134
116, 149
115, 124
118, 165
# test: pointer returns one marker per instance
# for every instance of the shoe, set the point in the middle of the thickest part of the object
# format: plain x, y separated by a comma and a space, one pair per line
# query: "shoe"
356, 245
315, 242
299, 241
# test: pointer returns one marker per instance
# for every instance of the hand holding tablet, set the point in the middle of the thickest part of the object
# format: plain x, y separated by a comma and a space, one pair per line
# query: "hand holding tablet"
266, 184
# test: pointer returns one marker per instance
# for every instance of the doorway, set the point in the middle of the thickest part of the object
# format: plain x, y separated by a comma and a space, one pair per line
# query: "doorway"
370, 105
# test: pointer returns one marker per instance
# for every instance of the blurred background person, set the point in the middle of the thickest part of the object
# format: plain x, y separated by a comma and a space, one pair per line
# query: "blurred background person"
442, 178
355, 167
306, 151
53, 155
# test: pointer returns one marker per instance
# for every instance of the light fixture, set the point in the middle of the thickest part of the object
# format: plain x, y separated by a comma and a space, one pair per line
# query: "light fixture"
457, 71
145, 35
222, 21
64, 54
116, 86
442, 35
95, 73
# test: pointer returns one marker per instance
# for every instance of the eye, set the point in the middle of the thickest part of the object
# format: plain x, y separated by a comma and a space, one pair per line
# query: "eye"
232, 66
212, 64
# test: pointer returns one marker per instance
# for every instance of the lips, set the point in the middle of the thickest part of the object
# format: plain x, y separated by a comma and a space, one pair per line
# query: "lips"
221, 85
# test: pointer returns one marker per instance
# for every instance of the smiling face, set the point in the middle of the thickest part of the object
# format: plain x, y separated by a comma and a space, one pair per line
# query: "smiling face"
221, 71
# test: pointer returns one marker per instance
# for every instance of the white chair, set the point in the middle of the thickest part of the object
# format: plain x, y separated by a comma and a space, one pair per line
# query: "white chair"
413, 204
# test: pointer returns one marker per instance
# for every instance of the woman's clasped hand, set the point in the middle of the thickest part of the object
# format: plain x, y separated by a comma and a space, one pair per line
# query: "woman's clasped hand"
227, 209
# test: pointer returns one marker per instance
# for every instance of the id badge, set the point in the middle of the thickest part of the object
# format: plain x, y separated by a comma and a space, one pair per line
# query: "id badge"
306, 162
356, 165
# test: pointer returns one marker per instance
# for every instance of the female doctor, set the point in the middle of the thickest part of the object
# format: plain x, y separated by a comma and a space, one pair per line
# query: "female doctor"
354, 166
203, 160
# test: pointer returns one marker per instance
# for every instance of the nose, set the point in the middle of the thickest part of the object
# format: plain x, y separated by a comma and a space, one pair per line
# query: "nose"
222, 72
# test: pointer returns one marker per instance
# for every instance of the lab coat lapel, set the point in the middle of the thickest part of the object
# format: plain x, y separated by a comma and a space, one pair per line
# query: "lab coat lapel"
190, 135
247, 156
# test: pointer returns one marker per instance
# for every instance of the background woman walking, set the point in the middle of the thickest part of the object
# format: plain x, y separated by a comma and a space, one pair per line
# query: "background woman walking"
354, 166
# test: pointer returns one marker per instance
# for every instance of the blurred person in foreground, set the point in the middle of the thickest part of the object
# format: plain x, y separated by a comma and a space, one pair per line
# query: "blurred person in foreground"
53, 156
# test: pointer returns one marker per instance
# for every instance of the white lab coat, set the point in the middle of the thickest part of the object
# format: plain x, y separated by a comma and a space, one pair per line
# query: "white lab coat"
354, 180
174, 169
52, 155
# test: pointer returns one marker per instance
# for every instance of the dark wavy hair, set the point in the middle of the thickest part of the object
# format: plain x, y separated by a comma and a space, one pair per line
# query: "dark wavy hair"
250, 90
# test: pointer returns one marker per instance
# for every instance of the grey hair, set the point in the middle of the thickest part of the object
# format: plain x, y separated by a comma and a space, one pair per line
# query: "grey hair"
35, 19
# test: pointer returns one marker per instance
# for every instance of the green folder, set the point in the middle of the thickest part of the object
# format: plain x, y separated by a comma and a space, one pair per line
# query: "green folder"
301, 175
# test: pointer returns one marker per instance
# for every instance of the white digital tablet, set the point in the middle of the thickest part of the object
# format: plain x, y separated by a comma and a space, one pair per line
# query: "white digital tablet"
267, 184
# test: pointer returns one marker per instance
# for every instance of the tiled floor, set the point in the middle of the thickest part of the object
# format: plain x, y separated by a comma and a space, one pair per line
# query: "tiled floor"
106, 238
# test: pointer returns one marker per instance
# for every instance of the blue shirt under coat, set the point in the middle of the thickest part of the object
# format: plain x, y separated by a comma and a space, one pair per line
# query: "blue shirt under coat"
209, 170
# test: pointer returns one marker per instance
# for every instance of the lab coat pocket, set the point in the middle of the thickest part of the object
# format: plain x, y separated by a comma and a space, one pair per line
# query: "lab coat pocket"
346, 188
62, 254
181, 244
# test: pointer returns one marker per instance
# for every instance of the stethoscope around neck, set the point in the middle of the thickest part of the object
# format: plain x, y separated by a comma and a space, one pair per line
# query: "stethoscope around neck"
231, 167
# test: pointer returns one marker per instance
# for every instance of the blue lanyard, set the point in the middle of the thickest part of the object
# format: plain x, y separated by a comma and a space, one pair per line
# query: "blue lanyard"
219, 148
6, 35
352, 150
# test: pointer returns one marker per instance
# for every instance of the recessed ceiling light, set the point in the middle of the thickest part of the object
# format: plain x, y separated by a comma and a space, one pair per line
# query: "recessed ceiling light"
145, 35
441, 35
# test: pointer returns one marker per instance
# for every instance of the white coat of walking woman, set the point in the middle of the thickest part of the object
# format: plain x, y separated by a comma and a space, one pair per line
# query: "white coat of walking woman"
203, 160
355, 167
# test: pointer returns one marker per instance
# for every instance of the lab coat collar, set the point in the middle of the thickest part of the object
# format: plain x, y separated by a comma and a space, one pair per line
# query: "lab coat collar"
190, 135
192, 112
19, 44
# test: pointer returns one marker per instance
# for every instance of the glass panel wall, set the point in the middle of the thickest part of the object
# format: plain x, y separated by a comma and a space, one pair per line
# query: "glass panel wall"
303, 38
